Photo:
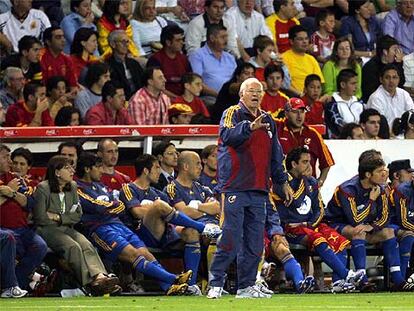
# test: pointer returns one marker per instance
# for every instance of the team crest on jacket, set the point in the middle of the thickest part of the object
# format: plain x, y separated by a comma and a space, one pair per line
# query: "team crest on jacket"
231, 199
307, 141
305, 207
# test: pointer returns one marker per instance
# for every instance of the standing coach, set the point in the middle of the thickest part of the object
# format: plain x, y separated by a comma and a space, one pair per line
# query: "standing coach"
249, 154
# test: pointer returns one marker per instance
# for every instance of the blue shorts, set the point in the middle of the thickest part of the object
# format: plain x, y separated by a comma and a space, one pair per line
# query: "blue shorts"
113, 238
208, 219
169, 237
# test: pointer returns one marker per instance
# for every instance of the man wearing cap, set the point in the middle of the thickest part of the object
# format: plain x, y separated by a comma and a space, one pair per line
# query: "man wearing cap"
243, 182
294, 133
180, 114
402, 207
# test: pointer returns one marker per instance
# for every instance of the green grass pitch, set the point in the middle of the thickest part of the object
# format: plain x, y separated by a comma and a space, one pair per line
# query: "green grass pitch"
325, 302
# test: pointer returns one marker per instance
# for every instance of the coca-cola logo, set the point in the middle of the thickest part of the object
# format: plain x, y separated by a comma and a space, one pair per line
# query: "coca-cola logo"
88, 131
51, 132
194, 130
10, 133
167, 131
125, 131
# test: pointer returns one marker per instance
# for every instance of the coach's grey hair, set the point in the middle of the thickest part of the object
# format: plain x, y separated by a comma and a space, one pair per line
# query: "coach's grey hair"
113, 36
8, 72
246, 83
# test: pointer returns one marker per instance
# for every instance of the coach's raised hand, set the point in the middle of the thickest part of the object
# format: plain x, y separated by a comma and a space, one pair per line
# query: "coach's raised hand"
258, 123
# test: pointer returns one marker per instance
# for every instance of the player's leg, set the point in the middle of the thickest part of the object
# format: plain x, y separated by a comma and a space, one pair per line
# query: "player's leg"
358, 245
192, 252
391, 255
406, 241
280, 249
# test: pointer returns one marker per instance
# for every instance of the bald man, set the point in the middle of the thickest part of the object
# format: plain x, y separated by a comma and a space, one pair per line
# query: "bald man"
188, 196
111, 178
249, 154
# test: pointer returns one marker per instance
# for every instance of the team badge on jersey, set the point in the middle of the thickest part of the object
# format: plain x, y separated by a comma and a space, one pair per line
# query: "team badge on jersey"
231, 199
305, 207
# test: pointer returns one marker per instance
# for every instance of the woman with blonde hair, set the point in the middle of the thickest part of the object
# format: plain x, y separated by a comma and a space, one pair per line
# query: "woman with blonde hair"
147, 26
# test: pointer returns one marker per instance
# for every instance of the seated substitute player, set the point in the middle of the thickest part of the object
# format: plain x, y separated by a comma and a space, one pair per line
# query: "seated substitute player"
101, 216
147, 206
208, 176
188, 196
302, 221
359, 211
402, 207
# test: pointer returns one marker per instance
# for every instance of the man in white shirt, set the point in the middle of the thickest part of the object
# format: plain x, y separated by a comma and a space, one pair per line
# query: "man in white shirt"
196, 34
21, 21
390, 100
248, 24
408, 66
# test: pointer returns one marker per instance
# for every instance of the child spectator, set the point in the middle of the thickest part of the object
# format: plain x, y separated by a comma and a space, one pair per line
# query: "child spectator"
266, 53
313, 100
27, 59
345, 106
180, 114
274, 100
323, 39
193, 84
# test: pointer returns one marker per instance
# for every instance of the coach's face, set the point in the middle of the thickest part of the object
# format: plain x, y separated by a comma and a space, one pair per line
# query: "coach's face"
252, 96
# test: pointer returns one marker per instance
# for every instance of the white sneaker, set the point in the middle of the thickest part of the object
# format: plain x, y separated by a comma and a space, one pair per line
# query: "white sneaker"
211, 231
193, 290
341, 286
13, 292
263, 287
411, 278
355, 277
214, 292
251, 292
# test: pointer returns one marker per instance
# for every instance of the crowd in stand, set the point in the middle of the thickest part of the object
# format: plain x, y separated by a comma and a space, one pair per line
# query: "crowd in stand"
180, 62
345, 64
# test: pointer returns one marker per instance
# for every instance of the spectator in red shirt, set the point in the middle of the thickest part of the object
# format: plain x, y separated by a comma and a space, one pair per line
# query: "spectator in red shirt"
15, 205
173, 63
293, 133
111, 111
313, 100
193, 85
54, 62
33, 110
274, 100
111, 178
22, 161
82, 50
